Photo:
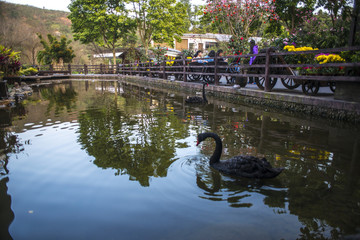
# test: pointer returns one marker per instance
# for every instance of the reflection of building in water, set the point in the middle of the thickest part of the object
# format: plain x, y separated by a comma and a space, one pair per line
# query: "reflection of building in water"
111, 87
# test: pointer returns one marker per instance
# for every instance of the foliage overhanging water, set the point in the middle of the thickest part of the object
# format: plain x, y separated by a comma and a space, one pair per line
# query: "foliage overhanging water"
112, 160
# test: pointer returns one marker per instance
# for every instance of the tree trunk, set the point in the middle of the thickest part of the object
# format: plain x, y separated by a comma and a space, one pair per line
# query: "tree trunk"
114, 60
355, 18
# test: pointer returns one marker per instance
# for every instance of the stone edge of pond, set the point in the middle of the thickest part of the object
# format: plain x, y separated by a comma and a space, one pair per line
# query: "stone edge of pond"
309, 105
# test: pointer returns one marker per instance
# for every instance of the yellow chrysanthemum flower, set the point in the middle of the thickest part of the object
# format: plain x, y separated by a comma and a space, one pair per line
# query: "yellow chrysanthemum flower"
329, 58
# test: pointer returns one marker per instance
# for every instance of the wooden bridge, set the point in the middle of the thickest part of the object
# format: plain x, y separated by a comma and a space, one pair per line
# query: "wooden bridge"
269, 67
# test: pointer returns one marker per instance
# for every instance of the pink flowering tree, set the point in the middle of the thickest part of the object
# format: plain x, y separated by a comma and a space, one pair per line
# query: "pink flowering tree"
240, 15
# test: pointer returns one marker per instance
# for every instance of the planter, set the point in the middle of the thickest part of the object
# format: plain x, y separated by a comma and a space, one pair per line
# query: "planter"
12, 79
3, 90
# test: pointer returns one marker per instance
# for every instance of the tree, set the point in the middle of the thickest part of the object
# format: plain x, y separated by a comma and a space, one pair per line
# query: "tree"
240, 15
104, 22
194, 14
55, 51
335, 7
287, 11
159, 20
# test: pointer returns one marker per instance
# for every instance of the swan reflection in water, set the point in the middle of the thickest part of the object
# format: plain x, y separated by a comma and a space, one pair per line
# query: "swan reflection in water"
197, 99
236, 190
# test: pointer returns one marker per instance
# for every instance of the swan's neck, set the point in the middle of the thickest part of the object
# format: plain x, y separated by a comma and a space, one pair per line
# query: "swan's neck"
204, 96
218, 149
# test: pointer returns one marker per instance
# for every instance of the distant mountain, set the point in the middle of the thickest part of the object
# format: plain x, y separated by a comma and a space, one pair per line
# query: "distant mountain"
20, 24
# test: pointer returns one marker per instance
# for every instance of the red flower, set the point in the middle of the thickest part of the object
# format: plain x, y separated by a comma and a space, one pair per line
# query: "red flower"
241, 38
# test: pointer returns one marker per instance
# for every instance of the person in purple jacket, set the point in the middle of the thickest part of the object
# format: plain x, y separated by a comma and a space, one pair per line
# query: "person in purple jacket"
254, 49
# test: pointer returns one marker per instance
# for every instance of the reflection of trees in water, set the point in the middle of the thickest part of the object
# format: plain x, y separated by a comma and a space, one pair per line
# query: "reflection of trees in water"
61, 97
9, 143
326, 193
7, 215
137, 138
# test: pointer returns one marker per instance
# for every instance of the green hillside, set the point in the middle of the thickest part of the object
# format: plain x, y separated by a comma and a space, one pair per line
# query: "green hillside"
20, 24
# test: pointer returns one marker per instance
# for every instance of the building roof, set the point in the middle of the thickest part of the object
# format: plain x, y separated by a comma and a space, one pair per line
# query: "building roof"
218, 37
170, 52
107, 55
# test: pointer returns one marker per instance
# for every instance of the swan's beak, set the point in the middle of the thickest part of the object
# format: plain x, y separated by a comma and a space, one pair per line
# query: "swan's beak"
197, 143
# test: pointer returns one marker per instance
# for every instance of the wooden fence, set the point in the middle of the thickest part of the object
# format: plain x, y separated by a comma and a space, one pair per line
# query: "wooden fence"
269, 65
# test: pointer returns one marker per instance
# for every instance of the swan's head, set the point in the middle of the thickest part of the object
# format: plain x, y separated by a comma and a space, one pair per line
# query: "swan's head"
201, 137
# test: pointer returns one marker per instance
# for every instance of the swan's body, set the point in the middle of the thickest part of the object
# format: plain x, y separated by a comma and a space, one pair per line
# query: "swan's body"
244, 166
197, 99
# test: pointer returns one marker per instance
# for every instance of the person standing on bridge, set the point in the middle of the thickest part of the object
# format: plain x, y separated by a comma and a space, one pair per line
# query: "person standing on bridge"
254, 49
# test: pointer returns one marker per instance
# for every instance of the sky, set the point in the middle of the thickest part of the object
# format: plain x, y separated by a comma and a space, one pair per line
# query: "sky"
61, 4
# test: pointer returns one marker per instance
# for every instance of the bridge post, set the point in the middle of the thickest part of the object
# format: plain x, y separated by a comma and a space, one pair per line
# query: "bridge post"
184, 69
85, 69
164, 69
69, 68
215, 70
267, 71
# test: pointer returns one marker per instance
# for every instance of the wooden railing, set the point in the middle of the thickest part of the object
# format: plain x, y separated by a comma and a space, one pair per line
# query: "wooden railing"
268, 66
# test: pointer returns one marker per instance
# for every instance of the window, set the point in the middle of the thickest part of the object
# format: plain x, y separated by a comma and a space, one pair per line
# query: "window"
191, 46
210, 45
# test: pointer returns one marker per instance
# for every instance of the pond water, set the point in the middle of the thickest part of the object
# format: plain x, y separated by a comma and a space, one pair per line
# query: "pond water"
113, 160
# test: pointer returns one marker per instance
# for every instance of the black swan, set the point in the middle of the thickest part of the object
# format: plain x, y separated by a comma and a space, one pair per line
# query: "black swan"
243, 166
197, 99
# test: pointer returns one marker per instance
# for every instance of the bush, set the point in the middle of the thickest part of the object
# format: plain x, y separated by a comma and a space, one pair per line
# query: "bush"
28, 71
9, 62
